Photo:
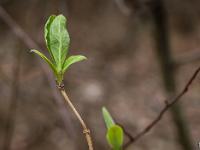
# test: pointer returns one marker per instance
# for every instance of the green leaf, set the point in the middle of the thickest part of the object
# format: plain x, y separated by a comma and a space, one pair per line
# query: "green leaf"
46, 35
115, 137
71, 60
58, 40
46, 59
107, 118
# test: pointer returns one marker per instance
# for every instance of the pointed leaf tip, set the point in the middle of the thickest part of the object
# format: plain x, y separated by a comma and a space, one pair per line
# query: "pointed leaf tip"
71, 60
51, 65
107, 118
57, 39
46, 35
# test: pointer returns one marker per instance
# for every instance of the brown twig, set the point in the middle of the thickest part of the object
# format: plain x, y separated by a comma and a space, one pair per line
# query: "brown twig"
168, 105
128, 134
86, 131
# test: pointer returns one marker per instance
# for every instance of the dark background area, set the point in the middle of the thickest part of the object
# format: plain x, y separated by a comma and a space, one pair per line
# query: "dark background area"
137, 57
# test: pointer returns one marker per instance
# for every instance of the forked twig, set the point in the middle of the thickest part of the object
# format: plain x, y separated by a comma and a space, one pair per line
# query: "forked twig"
168, 105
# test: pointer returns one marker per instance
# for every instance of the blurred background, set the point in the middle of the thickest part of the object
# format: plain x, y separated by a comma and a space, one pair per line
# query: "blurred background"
140, 52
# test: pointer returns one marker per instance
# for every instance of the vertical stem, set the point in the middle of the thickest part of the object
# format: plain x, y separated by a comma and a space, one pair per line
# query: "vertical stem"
168, 72
86, 131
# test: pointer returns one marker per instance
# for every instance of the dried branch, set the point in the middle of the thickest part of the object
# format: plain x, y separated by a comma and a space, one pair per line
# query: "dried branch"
168, 105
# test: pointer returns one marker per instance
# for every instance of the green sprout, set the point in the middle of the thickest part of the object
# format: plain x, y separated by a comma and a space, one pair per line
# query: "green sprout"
57, 41
114, 133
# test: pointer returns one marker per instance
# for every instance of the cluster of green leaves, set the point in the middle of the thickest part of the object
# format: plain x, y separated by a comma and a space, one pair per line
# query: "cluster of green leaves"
114, 133
57, 42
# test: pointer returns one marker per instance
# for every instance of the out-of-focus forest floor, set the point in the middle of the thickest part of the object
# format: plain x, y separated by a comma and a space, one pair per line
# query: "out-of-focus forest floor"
122, 73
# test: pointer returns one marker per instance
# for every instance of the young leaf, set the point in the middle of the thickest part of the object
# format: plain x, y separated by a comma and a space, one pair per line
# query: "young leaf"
71, 60
46, 59
46, 35
58, 40
107, 118
115, 137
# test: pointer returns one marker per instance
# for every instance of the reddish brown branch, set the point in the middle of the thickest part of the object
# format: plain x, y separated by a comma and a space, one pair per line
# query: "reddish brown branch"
168, 105
130, 137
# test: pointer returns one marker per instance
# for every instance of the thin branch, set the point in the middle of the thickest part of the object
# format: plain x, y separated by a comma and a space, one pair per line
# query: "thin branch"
9, 125
187, 57
168, 105
130, 137
162, 40
86, 131
21, 34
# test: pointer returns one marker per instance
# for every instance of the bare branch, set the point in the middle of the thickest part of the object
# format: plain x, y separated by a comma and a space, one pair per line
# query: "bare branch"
168, 105
187, 57
130, 137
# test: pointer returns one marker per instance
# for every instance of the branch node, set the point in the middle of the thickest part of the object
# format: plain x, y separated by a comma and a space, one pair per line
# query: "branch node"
86, 131
60, 86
